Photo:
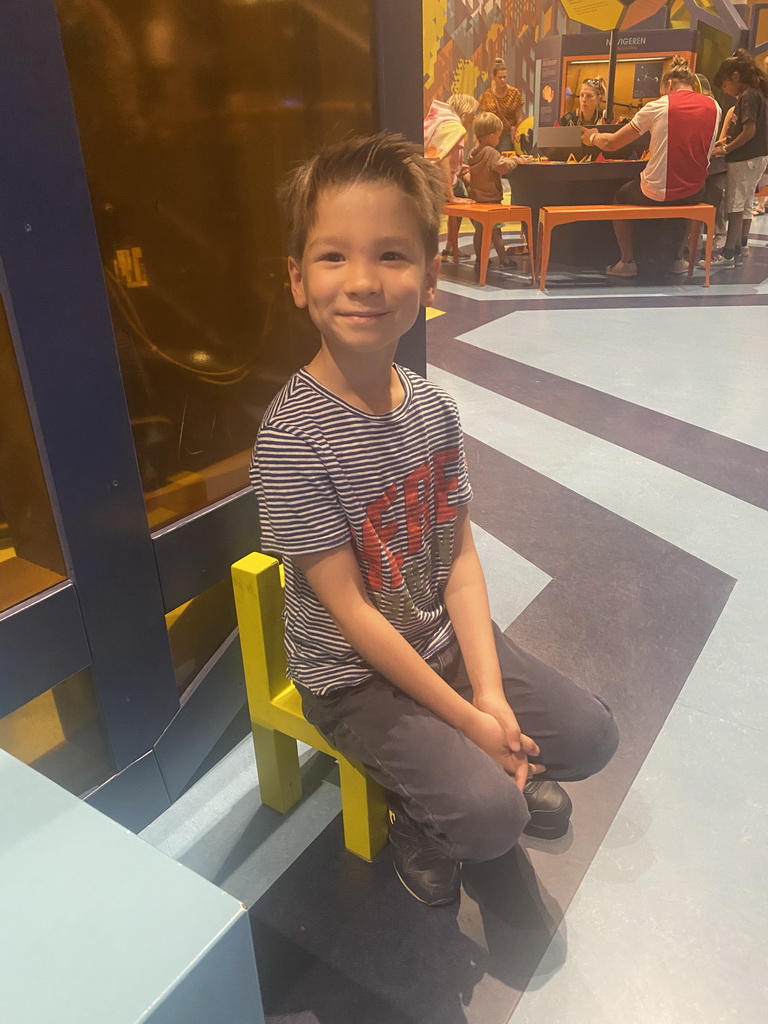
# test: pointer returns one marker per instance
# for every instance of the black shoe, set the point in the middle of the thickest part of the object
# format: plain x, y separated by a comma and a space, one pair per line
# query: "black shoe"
427, 874
550, 809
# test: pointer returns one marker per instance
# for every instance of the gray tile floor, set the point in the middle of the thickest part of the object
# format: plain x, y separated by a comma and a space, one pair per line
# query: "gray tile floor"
618, 438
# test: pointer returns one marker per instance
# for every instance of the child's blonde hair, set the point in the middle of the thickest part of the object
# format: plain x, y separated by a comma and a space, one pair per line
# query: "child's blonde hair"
385, 159
462, 104
487, 124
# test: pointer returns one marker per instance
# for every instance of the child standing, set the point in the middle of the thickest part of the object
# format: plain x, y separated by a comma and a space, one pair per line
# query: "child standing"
745, 148
486, 166
363, 491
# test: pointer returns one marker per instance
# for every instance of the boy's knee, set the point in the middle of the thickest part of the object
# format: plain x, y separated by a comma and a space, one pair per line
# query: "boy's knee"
489, 823
593, 742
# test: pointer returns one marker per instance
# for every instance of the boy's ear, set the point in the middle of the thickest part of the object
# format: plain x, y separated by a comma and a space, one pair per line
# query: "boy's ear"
297, 282
430, 281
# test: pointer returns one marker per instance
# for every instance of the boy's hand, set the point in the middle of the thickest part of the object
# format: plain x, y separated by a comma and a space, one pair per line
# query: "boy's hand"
496, 738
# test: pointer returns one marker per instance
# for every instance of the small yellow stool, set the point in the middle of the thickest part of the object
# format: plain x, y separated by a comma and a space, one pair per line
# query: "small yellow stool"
277, 721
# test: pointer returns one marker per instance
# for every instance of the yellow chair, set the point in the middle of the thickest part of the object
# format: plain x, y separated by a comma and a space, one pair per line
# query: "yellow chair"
277, 721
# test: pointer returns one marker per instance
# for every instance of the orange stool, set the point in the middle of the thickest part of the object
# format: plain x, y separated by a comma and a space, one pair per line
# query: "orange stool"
488, 215
762, 193
551, 217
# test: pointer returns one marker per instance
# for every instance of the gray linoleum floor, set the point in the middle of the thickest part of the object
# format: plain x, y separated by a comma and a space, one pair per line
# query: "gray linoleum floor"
617, 435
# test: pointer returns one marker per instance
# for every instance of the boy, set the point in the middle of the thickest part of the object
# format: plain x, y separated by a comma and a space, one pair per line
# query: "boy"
363, 491
486, 166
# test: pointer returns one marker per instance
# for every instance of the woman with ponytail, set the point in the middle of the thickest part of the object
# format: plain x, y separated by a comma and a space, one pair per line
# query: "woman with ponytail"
745, 147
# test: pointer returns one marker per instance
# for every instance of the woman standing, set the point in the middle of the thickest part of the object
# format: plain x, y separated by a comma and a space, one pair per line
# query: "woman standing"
505, 102
745, 148
589, 110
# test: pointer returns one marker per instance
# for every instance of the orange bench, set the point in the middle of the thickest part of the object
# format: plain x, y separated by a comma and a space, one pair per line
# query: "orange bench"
551, 217
488, 215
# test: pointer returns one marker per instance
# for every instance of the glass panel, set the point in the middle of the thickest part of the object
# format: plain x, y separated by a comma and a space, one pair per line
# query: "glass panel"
198, 628
30, 556
59, 734
189, 116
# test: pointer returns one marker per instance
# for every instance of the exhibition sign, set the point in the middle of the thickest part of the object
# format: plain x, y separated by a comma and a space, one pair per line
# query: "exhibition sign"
608, 14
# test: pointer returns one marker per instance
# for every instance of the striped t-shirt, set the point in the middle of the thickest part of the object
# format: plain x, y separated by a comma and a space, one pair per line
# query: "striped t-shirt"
683, 127
328, 474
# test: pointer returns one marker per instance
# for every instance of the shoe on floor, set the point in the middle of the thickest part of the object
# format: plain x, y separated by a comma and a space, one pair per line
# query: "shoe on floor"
550, 808
744, 250
508, 264
738, 258
622, 269
680, 267
718, 260
447, 256
426, 873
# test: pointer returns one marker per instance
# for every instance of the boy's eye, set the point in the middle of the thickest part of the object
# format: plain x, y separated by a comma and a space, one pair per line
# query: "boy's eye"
330, 257
393, 256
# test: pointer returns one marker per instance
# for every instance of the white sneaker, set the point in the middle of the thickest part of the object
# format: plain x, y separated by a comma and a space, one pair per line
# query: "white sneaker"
680, 266
622, 269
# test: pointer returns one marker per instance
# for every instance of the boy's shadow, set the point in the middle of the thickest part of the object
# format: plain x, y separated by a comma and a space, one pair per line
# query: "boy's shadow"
519, 918
339, 942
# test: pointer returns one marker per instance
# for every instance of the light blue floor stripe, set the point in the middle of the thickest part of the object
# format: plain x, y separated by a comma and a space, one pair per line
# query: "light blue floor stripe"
731, 673
705, 365
669, 925
512, 581
681, 891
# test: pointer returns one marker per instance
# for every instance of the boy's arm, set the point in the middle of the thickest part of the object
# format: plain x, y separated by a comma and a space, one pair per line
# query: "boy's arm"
466, 598
335, 578
503, 164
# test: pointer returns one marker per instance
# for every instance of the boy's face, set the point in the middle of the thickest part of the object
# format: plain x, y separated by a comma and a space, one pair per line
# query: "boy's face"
364, 274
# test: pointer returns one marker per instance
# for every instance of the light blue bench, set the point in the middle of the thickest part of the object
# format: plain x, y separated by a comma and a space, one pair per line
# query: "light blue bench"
98, 927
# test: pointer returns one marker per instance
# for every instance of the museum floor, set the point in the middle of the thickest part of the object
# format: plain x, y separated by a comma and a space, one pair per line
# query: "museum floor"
617, 436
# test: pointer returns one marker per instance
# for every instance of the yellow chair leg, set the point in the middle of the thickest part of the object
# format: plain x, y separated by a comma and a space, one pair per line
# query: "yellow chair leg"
277, 762
364, 811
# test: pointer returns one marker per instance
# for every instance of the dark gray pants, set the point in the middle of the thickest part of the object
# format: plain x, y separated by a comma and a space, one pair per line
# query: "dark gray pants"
464, 801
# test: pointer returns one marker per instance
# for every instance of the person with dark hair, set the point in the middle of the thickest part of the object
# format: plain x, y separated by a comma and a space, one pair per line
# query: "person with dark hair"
590, 110
506, 102
363, 491
683, 126
745, 148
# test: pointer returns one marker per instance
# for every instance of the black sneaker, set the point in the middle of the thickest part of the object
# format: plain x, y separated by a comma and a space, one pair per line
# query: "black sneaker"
550, 809
426, 873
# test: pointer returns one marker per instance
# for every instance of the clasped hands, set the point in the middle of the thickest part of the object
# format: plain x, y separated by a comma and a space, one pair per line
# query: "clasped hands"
495, 730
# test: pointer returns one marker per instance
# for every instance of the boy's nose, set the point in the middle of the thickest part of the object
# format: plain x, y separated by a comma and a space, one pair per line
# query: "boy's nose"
363, 278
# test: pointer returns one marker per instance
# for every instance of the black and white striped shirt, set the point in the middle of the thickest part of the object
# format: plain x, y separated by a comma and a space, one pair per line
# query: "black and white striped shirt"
328, 474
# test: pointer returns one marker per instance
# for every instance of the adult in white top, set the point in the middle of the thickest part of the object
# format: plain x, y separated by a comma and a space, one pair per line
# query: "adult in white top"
683, 126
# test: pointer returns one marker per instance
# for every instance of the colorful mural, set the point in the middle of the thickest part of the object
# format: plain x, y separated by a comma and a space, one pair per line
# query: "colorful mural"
462, 38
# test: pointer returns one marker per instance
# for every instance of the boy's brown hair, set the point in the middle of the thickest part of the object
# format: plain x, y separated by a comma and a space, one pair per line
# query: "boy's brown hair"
487, 124
384, 158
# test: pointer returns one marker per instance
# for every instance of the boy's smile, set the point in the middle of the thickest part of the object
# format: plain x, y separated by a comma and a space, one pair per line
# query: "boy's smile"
363, 274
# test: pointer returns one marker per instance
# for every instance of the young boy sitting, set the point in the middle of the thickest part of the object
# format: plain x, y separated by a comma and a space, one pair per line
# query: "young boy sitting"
363, 491
486, 166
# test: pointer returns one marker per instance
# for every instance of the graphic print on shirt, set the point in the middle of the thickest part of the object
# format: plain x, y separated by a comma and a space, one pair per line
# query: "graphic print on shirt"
406, 532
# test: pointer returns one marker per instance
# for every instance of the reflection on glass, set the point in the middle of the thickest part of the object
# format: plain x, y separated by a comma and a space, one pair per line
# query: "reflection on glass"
30, 557
59, 734
198, 628
189, 116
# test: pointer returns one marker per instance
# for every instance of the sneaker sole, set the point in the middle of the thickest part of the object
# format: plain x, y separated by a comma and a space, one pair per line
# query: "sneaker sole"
435, 903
